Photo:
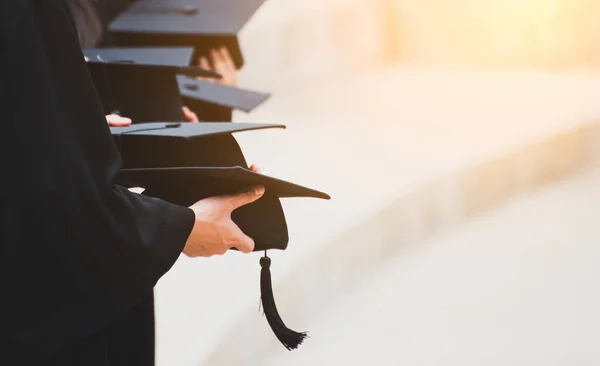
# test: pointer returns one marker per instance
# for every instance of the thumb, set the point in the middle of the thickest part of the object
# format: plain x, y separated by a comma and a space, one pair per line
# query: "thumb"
189, 115
245, 243
245, 198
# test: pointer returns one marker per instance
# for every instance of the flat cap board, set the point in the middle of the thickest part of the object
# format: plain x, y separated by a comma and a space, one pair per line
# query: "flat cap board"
204, 24
221, 95
188, 130
237, 175
167, 56
141, 83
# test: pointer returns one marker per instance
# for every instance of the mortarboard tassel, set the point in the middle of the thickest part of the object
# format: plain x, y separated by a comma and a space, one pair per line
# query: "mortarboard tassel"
289, 338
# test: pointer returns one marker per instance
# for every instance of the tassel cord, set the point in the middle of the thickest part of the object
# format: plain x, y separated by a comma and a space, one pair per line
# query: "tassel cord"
289, 338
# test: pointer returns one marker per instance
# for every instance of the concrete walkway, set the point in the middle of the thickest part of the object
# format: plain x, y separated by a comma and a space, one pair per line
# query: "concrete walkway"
518, 286
403, 152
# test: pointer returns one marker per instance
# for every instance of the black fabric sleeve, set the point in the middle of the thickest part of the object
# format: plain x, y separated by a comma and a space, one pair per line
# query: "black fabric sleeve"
75, 249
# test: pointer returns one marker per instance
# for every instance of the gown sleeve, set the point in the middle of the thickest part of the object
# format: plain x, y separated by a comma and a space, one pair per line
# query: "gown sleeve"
76, 250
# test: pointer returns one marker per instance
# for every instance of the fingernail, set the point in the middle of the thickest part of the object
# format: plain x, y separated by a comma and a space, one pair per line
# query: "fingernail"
258, 190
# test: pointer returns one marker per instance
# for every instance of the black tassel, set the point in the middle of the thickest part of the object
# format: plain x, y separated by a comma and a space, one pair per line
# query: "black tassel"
289, 338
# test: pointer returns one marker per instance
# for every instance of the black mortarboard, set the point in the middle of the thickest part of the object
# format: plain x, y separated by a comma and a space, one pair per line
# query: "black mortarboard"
203, 24
215, 102
141, 83
185, 162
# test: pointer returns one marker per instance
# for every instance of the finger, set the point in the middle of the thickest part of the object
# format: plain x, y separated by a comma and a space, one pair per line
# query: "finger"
229, 66
118, 124
117, 121
245, 244
192, 117
218, 62
245, 198
138, 190
204, 64
189, 115
227, 58
254, 168
117, 118
225, 68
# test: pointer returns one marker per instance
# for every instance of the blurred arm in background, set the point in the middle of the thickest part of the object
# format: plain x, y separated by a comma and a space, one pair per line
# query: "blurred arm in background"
222, 63
90, 19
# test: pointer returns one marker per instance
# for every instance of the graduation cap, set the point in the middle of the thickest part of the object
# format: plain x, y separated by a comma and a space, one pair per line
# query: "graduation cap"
203, 24
153, 84
141, 83
216, 102
185, 162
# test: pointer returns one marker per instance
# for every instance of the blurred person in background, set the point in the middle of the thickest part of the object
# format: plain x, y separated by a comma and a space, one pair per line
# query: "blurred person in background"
91, 19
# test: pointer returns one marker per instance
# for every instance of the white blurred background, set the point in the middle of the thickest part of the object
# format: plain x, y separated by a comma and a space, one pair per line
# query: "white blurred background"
459, 142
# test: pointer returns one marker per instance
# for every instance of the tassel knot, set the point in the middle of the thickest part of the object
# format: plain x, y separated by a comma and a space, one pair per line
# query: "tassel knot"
265, 262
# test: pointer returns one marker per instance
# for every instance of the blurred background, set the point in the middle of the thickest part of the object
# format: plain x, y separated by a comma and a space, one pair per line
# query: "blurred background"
459, 142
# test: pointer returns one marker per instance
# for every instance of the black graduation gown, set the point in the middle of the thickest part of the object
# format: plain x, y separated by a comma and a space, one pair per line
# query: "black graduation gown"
108, 11
92, 18
77, 252
132, 337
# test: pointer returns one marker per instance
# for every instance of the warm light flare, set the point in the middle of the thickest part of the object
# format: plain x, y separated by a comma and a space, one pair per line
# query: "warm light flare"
505, 32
